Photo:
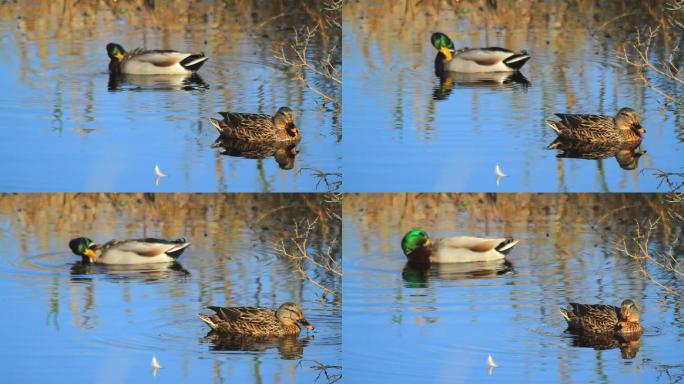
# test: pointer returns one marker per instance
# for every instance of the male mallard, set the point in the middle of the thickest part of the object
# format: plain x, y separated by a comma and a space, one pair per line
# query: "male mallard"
256, 321
623, 128
491, 59
599, 318
251, 127
134, 251
418, 248
152, 62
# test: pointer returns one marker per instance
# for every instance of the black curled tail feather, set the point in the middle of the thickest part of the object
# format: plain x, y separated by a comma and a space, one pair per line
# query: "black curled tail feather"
506, 245
194, 62
517, 60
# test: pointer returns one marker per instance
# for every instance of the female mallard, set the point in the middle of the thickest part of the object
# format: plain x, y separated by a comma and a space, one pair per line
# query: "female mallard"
134, 251
599, 318
256, 321
623, 128
152, 62
418, 248
250, 127
491, 59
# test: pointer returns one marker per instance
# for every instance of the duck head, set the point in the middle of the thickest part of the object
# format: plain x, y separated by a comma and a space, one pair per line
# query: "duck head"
416, 244
115, 51
285, 114
290, 313
443, 44
82, 246
629, 311
627, 119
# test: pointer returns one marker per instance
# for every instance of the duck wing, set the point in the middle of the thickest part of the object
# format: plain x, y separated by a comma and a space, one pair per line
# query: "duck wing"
485, 56
246, 120
578, 121
159, 58
251, 315
592, 317
476, 244
148, 247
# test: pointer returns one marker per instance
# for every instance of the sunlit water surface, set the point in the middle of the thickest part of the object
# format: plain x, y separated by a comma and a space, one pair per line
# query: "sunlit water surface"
64, 322
407, 130
439, 326
68, 127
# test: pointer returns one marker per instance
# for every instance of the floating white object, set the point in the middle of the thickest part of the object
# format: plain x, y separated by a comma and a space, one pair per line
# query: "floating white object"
159, 173
499, 174
491, 364
499, 171
490, 361
155, 365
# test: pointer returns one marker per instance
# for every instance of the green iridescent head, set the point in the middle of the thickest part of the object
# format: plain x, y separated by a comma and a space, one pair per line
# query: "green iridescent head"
115, 51
79, 245
440, 40
414, 239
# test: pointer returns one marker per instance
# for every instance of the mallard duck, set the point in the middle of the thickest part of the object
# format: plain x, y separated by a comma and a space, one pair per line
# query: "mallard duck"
257, 321
251, 127
418, 248
152, 62
623, 128
490, 59
134, 251
599, 318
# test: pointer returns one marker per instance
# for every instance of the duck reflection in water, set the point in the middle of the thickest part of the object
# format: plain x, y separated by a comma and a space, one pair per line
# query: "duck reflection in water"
290, 347
628, 344
416, 275
124, 82
128, 272
492, 80
283, 153
627, 155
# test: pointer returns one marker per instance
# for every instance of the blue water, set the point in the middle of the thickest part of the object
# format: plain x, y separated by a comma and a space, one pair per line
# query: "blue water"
65, 128
439, 326
407, 131
104, 324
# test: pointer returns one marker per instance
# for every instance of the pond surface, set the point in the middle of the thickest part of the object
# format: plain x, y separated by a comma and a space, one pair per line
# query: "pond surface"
407, 325
408, 130
103, 324
68, 127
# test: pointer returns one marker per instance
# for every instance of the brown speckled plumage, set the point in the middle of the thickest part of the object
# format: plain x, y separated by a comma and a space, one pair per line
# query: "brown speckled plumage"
256, 321
599, 318
623, 128
279, 128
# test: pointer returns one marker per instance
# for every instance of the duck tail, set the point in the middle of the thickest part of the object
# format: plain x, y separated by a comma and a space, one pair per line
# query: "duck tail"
553, 125
207, 320
517, 60
506, 245
564, 313
178, 249
217, 125
194, 62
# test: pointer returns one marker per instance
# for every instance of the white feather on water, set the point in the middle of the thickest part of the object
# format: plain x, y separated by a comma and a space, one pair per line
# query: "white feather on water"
491, 364
155, 365
159, 173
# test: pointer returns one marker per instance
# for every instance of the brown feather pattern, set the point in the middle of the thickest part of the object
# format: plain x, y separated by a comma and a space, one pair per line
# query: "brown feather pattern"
598, 128
262, 128
255, 321
600, 318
